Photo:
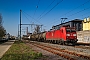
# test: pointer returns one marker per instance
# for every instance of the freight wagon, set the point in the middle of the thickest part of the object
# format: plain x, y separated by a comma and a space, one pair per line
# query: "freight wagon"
38, 37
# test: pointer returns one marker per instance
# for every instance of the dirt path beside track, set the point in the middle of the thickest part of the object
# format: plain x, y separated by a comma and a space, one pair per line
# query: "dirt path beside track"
5, 46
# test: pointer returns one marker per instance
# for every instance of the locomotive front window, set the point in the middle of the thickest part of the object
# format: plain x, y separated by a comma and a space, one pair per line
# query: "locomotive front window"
70, 30
73, 30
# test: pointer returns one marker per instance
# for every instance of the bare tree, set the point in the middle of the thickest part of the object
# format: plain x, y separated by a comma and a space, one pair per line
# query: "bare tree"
2, 30
37, 29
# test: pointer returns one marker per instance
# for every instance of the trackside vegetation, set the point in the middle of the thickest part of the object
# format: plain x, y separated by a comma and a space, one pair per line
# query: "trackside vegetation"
20, 51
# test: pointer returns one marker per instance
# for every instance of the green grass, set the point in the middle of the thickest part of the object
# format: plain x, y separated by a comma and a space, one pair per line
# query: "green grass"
20, 51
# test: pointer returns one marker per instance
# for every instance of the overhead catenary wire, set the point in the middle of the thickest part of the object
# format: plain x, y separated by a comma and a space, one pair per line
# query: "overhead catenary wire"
45, 14
46, 9
26, 17
50, 9
29, 19
79, 11
73, 10
32, 17
85, 14
36, 8
77, 7
75, 13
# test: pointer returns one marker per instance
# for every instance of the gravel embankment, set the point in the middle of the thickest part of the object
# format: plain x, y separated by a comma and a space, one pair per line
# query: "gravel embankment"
70, 48
46, 55
50, 56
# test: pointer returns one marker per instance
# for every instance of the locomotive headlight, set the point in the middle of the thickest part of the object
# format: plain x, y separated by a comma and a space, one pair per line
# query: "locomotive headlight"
74, 35
68, 34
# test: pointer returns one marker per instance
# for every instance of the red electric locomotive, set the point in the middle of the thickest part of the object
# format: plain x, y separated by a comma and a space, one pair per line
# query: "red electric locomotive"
64, 35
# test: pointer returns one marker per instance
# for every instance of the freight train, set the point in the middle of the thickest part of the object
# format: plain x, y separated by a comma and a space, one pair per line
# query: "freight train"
82, 33
63, 35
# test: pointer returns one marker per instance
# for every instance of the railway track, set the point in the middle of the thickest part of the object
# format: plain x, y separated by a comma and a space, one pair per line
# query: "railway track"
61, 52
77, 48
83, 47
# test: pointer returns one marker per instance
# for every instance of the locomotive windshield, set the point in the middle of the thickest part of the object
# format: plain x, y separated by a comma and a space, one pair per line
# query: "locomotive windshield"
70, 30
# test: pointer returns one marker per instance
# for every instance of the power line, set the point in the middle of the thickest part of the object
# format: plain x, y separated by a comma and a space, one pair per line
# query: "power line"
73, 10
85, 13
79, 11
32, 17
26, 17
46, 8
77, 7
51, 9
36, 8
76, 12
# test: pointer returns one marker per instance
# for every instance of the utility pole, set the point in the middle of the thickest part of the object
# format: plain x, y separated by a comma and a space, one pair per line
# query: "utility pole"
20, 24
18, 30
27, 30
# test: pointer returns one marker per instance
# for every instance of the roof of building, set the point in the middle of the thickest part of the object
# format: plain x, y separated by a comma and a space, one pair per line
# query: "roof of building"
75, 20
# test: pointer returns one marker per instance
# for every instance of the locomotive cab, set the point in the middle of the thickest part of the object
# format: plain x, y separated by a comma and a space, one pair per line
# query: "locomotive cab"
69, 35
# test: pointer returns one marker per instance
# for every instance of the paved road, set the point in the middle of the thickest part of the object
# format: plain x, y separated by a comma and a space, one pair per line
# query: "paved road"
5, 46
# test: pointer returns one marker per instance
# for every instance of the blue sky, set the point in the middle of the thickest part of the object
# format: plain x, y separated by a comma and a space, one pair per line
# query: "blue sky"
32, 9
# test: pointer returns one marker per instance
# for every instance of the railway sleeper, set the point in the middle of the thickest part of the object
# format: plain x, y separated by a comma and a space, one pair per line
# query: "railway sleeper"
72, 53
62, 55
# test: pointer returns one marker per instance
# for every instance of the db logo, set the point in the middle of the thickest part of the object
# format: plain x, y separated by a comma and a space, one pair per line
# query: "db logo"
71, 34
52, 34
